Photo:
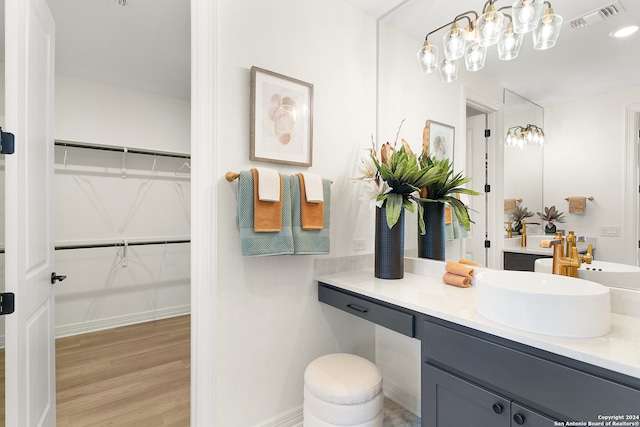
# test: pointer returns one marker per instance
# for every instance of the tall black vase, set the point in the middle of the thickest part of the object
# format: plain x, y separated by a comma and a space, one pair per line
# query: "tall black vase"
389, 251
431, 243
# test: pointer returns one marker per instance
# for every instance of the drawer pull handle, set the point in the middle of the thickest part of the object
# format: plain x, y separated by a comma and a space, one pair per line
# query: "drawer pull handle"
358, 308
519, 419
497, 408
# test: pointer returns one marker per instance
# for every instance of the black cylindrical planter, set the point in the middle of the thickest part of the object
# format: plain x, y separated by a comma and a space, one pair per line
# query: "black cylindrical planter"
389, 255
431, 243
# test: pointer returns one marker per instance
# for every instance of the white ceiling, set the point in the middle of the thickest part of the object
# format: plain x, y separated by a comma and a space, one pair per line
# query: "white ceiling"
146, 45
584, 62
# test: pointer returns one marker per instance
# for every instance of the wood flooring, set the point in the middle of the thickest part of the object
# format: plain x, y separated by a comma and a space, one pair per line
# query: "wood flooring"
135, 375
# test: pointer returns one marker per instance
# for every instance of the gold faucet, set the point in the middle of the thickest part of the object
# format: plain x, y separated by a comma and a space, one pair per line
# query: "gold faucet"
509, 229
566, 265
523, 232
571, 245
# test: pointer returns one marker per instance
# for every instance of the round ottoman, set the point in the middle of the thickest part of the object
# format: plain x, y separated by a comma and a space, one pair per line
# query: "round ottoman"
343, 390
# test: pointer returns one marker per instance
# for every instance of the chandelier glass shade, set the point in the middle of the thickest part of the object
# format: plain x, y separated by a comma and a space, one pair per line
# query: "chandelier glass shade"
492, 27
519, 136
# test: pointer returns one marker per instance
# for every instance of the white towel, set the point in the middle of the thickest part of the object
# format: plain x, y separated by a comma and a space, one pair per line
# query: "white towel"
268, 185
313, 187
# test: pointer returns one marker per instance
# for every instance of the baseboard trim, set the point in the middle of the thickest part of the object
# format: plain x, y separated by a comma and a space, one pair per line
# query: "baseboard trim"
291, 418
407, 400
114, 322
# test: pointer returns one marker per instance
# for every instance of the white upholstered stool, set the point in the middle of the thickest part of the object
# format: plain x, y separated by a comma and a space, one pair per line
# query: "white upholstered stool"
343, 390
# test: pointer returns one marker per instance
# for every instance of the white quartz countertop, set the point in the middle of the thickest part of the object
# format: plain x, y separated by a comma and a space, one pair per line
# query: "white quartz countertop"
617, 351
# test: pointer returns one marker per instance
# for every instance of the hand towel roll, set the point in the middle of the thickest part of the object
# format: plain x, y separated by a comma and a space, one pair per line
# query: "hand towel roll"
468, 262
577, 205
313, 187
269, 185
455, 280
459, 269
267, 216
509, 205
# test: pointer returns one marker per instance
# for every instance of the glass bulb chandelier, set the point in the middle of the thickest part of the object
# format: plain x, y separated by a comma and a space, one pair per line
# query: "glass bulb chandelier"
492, 27
518, 136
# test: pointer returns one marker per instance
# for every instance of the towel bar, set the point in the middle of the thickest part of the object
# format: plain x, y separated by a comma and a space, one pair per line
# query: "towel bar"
232, 176
590, 198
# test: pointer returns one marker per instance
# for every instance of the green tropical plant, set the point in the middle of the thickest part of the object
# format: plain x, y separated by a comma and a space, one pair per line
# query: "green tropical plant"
394, 180
446, 187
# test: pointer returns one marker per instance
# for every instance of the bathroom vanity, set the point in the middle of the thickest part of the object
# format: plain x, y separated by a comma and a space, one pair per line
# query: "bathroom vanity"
473, 368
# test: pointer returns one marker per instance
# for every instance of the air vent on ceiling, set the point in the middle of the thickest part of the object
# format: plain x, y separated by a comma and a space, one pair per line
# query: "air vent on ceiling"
596, 15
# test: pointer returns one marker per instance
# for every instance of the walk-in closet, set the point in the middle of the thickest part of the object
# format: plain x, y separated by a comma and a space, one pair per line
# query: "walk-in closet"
120, 212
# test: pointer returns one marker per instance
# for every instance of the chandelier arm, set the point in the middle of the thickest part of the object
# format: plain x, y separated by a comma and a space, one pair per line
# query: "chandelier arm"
456, 19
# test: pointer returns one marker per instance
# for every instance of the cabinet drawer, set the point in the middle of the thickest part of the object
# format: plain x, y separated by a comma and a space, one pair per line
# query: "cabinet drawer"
378, 312
558, 388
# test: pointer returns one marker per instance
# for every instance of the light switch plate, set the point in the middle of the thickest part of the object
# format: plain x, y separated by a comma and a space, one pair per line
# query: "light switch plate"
610, 230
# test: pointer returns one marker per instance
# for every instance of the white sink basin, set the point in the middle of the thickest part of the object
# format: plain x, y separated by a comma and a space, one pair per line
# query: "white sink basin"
544, 303
607, 273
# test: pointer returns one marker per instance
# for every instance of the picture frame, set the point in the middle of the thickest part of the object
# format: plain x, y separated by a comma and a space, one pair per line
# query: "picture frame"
281, 118
441, 139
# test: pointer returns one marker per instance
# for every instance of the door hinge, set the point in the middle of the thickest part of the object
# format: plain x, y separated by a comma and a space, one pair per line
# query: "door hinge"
487, 244
487, 188
7, 303
7, 142
487, 133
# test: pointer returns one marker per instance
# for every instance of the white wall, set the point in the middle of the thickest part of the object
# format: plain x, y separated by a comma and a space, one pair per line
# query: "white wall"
269, 324
585, 156
96, 200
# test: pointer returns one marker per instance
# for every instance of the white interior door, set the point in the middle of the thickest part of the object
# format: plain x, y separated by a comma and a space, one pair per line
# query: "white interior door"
476, 167
29, 83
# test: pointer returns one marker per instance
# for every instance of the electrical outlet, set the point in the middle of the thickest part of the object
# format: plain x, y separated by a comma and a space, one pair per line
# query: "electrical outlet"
359, 244
610, 230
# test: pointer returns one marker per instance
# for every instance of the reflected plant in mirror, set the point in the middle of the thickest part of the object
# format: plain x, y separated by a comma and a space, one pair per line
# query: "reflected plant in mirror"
517, 216
551, 215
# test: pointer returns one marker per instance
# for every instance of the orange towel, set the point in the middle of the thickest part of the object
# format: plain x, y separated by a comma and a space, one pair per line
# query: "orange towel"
509, 205
455, 280
459, 269
468, 262
312, 214
267, 216
577, 205
447, 215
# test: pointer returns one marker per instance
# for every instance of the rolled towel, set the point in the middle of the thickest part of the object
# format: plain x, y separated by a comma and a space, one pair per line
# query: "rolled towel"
455, 280
313, 188
577, 205
509, 205
459, 269
269, 185
468, 262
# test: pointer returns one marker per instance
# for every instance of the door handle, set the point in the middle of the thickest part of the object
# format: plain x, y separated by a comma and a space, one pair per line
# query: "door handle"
57, 278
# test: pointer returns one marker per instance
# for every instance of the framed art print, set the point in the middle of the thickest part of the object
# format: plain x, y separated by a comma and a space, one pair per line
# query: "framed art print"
281, 118
441, 140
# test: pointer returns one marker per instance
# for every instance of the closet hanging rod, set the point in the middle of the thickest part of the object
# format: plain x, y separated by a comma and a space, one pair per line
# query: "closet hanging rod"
87, 146
121, 243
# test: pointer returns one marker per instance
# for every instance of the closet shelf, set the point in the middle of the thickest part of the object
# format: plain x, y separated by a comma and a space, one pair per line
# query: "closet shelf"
121, 243
73, 144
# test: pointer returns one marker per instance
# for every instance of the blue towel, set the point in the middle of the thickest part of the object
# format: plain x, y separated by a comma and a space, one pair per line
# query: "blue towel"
306, 242
258, 244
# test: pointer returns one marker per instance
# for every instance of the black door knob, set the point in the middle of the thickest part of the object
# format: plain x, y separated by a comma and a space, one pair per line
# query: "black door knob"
497, 408
519, 419
57, 278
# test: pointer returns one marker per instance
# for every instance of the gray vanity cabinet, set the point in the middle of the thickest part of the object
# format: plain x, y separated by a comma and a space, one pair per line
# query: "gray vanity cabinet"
451, 401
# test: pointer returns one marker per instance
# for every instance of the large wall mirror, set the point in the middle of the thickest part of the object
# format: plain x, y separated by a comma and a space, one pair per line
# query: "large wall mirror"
523, 166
